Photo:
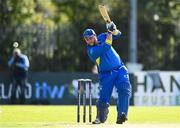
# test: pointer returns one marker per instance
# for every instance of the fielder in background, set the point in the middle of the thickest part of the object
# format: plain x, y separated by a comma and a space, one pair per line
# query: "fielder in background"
19, 65
111, 71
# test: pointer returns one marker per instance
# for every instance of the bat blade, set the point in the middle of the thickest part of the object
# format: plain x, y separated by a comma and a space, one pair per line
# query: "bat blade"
104, 13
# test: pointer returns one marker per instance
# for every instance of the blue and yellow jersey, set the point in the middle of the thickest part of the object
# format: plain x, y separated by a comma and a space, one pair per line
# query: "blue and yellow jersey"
103, 54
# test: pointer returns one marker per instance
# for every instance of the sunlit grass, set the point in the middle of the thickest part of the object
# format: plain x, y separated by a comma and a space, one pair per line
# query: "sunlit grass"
27, 116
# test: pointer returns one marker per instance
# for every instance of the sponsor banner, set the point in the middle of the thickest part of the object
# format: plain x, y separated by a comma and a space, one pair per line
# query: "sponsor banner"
150, 88
45, 93
154, 88
47, 88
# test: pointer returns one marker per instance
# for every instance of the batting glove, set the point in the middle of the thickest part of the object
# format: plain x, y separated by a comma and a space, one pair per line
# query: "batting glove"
111, 26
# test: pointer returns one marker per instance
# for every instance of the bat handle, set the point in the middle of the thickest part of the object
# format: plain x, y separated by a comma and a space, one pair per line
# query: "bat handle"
108, 21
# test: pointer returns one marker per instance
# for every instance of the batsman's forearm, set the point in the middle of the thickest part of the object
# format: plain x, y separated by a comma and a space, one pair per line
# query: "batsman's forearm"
116, 35
109, 38
116, 32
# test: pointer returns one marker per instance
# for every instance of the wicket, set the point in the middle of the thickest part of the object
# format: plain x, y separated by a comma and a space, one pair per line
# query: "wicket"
82, 88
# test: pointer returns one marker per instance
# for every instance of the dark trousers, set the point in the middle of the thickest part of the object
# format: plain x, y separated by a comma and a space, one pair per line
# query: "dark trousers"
21, 82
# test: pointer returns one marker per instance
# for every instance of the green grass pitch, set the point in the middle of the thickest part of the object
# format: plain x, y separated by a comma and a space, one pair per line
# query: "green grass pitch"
46, 116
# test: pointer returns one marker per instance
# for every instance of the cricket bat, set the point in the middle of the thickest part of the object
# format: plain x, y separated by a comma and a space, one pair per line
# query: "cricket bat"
104, 13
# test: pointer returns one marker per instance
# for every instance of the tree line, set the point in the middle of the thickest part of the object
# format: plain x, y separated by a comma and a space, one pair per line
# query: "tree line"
50, 32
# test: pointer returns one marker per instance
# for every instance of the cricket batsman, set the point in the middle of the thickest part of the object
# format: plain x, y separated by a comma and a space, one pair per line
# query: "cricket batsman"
111, 72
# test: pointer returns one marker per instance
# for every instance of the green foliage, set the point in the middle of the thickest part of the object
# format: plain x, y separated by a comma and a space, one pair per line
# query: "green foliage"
160, 37
50, 32
14, 12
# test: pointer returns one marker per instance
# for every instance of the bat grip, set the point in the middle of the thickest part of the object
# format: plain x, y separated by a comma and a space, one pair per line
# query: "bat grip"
108, 21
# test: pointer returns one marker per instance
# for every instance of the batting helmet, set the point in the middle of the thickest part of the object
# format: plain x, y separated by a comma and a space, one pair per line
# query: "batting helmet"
88, 33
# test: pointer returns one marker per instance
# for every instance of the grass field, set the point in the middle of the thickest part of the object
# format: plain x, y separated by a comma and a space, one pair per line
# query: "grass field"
65, 117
